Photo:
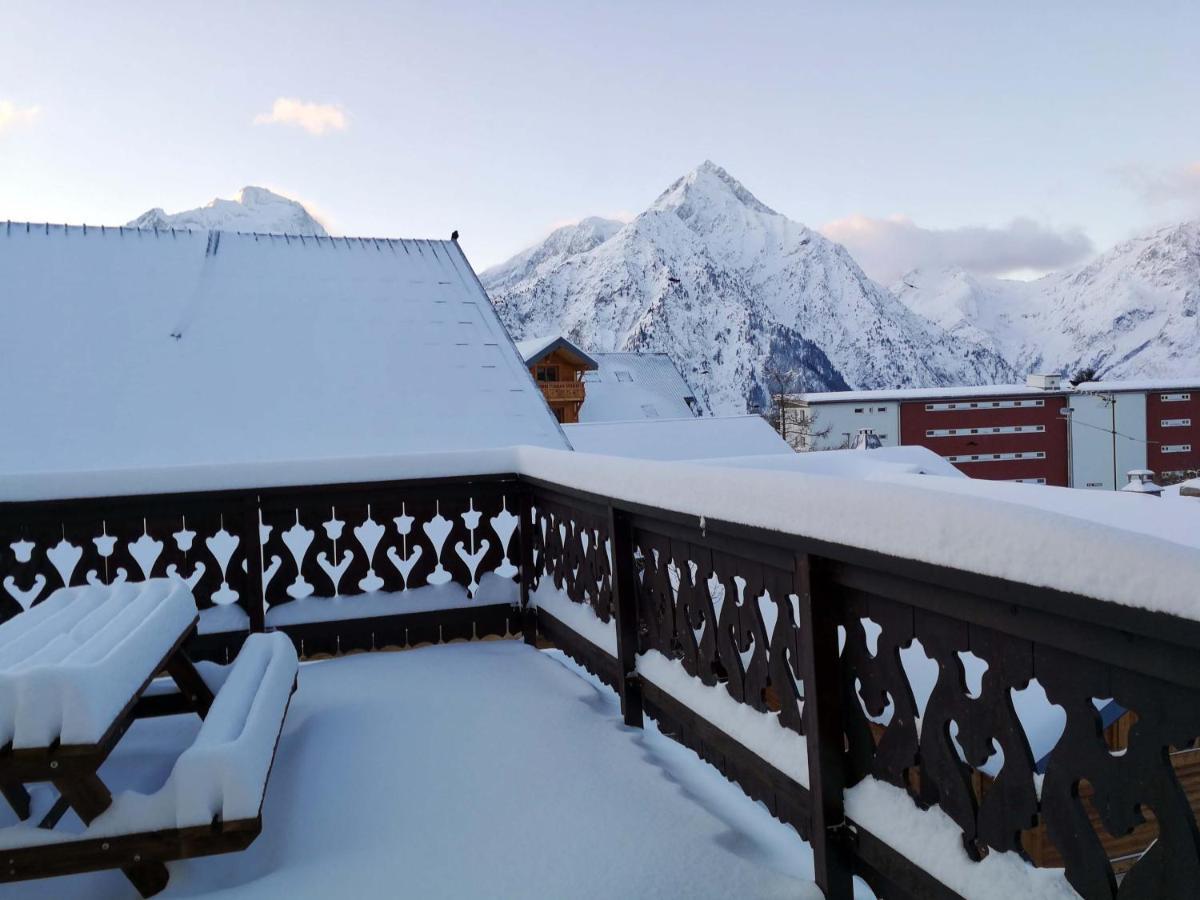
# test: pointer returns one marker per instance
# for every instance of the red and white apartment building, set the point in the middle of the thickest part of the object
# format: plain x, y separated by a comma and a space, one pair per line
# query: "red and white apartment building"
1042, 432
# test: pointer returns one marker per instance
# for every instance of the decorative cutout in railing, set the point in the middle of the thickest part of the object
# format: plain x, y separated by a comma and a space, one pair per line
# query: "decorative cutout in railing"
312, 543
45, 547
572, 546
391, 538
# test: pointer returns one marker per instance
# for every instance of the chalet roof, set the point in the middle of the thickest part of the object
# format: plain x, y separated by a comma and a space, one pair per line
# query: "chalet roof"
629, 386
535, 350
692, 438
131, 348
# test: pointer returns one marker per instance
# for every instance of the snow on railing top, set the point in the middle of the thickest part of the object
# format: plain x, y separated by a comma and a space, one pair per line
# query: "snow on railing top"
1100, 550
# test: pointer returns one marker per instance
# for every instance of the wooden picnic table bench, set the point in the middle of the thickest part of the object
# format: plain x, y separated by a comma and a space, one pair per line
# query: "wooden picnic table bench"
75, 672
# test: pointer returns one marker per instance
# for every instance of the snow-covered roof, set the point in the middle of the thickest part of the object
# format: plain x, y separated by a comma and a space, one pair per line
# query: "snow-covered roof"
691, 438
929, 393
629, 386
1142, 384
536, 349
135, 348
1187, 382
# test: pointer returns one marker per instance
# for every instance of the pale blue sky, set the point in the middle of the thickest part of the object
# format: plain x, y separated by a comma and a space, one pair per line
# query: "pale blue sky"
503, 119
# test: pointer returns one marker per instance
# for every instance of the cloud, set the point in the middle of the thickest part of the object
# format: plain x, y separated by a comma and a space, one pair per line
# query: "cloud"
1178, 186
887, 248
13, 116
315, 118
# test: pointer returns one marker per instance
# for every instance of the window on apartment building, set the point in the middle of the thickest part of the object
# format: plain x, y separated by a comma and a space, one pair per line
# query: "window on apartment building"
858, 409
547, 373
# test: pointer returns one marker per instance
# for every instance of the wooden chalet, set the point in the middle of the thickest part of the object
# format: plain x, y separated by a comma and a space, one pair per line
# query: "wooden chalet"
557, 366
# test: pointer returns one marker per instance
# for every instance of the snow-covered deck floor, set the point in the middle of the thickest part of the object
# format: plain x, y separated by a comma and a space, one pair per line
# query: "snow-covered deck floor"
469, 770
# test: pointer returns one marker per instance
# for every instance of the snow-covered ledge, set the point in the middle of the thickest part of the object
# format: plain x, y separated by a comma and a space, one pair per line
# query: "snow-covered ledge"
932, 840
1100, 552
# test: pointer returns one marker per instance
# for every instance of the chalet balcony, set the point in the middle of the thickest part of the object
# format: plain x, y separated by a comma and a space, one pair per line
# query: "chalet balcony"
927, 686
563, 391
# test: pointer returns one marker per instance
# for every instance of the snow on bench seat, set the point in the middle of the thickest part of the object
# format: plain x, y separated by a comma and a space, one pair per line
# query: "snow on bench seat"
70, 664
223, 774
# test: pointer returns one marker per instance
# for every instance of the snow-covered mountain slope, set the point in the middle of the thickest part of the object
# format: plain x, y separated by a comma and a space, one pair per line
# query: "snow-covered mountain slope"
254, 209
1130, 313
727, 287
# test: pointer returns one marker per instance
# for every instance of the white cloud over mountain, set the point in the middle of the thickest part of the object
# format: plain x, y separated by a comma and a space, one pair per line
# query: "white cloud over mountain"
315, 118
887, 248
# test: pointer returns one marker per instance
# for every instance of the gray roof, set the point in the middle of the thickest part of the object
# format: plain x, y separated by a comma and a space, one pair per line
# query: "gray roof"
632, 386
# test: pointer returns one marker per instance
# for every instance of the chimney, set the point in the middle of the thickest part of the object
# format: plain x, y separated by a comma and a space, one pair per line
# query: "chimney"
1044, 381
1141, 481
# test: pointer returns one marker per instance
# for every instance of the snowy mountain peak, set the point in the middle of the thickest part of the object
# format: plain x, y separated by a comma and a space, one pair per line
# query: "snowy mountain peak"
1133, 312
707, 185
254, 209
728, 288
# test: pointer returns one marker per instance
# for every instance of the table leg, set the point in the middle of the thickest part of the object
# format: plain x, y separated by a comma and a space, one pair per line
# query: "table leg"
89, 797
16, 795
181, 668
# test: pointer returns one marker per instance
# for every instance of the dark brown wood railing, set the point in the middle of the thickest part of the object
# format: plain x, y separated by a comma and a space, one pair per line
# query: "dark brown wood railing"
802, 630
700, 591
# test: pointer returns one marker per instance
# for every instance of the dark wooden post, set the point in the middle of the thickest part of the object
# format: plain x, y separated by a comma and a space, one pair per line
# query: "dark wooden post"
825, 736
625, 603
256, 601
525, 536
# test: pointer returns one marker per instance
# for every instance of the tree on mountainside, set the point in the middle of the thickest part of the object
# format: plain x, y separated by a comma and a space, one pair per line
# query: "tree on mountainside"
1087, 373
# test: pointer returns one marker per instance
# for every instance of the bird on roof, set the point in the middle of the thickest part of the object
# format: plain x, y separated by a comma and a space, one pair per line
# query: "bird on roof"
454, 235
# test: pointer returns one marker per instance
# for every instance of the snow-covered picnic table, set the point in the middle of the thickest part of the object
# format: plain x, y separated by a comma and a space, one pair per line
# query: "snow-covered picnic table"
75, 671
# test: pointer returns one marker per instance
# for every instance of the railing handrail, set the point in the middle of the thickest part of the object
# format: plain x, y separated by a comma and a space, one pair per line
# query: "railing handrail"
1151, 575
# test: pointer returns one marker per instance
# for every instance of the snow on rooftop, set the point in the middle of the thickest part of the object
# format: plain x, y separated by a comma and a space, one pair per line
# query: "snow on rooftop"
690, 438
534, 346
1001, 390
930, 393
630, 386
389, 790
1142, 384
130, 347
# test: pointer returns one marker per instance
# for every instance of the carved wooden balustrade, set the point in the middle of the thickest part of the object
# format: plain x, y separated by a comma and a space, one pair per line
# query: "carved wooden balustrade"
762, 615
318, 548
913, 675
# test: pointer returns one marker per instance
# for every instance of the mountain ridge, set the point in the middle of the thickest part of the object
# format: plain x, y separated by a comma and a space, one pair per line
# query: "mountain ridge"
1129, 313
255, 209
728, 287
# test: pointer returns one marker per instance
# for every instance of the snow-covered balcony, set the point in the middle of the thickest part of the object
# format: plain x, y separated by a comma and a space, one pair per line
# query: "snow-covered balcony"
923, 676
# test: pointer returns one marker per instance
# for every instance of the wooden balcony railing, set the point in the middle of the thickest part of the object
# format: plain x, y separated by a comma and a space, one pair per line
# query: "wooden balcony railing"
811, 634
563, 391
